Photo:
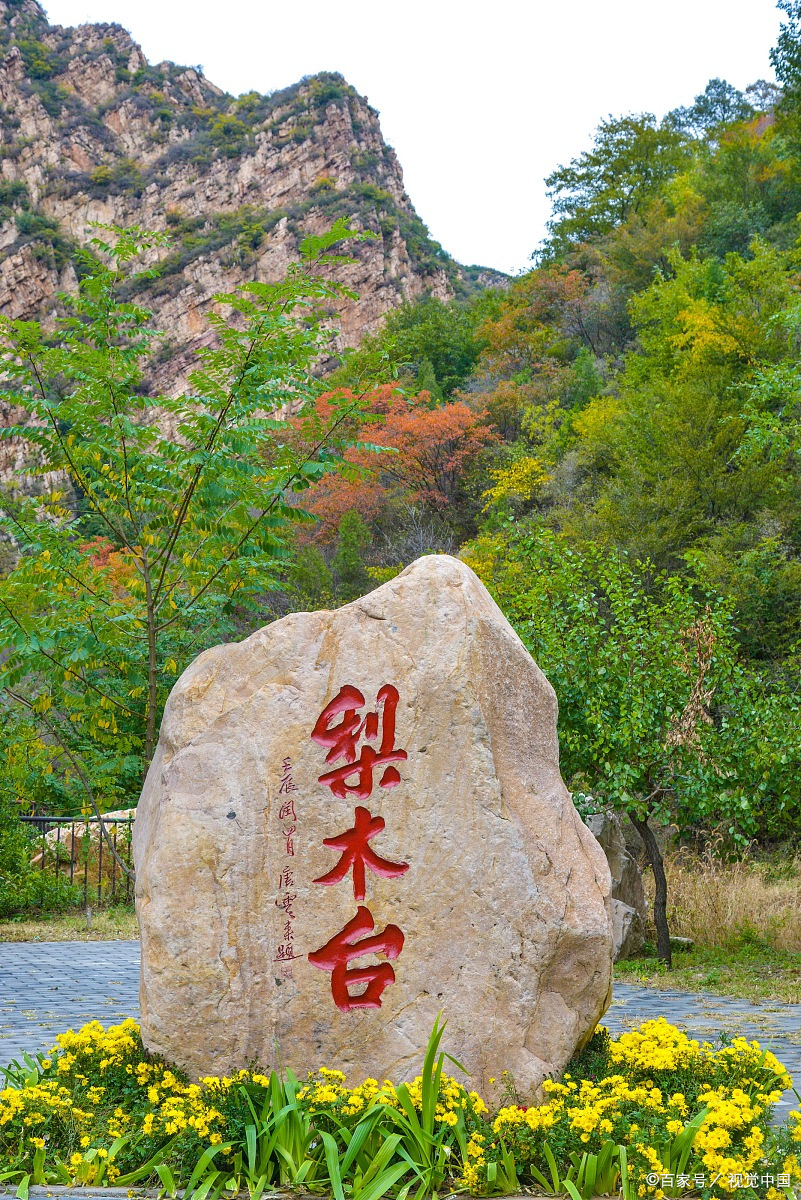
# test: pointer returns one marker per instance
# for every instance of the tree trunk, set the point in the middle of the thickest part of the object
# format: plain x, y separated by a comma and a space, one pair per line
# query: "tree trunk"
152, 676
660, 887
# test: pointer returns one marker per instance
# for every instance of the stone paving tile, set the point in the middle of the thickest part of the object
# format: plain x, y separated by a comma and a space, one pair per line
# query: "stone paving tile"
47, 987
57, 1192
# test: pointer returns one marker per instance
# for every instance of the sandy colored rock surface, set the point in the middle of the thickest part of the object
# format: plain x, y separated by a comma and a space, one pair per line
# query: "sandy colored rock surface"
503, 908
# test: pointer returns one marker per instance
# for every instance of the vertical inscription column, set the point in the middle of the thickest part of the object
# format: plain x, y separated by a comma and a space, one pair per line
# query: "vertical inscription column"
355, 777
286, 894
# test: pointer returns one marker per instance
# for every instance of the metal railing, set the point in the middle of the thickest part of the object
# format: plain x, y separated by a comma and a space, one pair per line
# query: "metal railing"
83, 857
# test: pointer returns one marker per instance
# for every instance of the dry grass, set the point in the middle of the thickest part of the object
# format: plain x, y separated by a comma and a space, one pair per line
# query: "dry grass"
720, 904
106, 924
745, 921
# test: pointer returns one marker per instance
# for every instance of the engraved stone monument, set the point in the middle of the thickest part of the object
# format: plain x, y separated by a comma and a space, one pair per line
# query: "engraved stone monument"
355, 820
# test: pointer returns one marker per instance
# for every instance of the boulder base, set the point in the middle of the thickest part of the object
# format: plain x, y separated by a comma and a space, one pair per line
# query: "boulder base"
458, 876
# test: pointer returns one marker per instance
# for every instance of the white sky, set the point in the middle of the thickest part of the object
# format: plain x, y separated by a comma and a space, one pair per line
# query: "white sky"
480, 101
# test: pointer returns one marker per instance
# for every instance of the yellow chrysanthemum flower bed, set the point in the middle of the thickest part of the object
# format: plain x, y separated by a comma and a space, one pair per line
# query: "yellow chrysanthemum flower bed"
652, 1113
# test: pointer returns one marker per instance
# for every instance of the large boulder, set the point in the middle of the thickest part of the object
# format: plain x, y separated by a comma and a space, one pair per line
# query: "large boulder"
413, 720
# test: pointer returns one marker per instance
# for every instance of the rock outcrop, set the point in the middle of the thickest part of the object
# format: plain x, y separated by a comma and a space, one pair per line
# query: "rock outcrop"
355, 820
629, 909
92, 132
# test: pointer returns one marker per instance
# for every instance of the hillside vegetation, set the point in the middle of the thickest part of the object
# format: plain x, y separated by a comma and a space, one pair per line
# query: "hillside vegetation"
613, 444
611, 441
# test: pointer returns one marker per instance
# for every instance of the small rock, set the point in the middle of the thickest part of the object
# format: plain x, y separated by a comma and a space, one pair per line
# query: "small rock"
629, 908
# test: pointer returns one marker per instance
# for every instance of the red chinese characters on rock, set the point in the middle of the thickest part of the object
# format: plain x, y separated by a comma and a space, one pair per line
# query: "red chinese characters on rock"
355, 776
335, 955
341, 739
357, 854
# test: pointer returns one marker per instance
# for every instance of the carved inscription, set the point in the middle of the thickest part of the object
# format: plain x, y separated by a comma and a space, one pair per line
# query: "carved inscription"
286, 894
355, 776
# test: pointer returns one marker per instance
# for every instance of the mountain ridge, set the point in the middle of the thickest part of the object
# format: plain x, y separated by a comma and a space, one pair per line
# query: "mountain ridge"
93, 133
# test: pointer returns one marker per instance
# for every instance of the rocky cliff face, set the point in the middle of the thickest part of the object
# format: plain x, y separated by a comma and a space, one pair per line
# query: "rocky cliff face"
92, 133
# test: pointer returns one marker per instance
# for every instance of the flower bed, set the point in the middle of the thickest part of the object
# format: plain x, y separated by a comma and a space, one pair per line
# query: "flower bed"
651, 1113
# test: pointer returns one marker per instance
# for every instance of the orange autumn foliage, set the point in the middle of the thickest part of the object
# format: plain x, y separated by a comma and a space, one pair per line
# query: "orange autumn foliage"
539, 312
430, 449
114, 564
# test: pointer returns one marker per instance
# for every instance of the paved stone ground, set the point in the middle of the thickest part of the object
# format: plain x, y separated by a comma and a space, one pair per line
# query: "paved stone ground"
47, 987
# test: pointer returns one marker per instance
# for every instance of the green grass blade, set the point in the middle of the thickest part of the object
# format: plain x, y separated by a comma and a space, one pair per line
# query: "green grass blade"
625, 1189
410, 1113
250, 1148
681, 1148
38, 1165
511, 1182
149, 1167
305, 1168
201, 1166
357, 1140
383, 1182
255, 1190
429, 1100
540, 1178
555, 1178
210, 1188
168, 1184
332, 1162
382, 1158
588, 1175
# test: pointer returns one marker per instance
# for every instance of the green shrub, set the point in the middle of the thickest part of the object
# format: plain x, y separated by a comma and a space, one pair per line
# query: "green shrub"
45, 232
40, 62
37, 891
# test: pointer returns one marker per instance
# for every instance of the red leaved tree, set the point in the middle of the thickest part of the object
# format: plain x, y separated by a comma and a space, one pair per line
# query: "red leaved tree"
429, 450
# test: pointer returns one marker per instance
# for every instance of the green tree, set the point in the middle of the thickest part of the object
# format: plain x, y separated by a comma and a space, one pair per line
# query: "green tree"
193, 494
311, 584
427, 379
631, 160
785, 58
639, 661
719, 104
350, 574
663, 463
444, 335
